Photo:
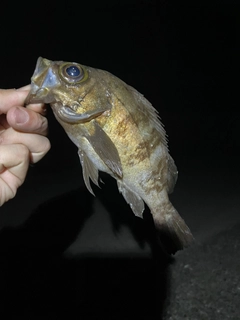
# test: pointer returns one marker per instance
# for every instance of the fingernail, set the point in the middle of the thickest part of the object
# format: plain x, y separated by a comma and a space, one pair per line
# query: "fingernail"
21, 116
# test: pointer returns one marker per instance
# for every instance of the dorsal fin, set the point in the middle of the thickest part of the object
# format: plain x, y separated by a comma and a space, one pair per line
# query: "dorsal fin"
150, 112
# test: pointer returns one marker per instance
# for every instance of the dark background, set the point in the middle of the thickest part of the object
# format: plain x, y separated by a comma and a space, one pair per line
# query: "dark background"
185, 60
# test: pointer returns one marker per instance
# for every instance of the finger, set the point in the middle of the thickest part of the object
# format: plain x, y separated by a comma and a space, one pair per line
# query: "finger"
25, 120
14, 162
16, 97
38, 145
25, 88
37, 107
11, 97
12, 156
3, 122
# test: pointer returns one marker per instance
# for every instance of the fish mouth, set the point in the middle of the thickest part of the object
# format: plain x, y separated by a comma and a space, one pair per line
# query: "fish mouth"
41, 95
43, 83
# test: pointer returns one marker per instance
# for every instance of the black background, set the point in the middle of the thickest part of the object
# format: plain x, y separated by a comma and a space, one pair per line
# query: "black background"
184, 58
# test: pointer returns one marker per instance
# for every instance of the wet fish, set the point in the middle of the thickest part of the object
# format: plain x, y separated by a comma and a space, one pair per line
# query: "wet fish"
117, 131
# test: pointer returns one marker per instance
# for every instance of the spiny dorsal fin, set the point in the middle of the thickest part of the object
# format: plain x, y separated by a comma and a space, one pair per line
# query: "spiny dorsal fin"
150, 112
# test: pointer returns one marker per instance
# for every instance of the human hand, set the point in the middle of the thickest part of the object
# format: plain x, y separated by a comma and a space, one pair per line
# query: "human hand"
22, 139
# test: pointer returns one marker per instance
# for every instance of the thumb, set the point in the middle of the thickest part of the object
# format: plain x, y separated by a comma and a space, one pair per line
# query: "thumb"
26, 120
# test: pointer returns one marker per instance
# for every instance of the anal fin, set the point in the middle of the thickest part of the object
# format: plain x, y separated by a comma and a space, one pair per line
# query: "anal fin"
136, 203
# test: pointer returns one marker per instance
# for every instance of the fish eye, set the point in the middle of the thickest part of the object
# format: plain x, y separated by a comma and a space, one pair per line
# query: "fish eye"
72, 73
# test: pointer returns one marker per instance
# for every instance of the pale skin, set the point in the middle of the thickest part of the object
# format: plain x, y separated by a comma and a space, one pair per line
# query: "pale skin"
22, 139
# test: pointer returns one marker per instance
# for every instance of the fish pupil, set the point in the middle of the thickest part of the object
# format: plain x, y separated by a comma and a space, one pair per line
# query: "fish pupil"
73, 71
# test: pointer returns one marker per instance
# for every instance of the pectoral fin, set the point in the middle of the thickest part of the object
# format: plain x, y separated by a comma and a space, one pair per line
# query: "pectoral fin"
89, 170
105, 149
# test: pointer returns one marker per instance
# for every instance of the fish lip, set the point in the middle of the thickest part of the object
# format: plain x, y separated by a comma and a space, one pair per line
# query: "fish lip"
39, 96
31, 98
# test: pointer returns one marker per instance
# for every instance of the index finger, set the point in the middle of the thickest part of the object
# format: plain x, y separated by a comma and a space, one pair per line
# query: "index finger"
12, 97
16, 97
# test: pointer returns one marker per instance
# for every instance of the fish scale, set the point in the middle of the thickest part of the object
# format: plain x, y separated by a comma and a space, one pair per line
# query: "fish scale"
119, 132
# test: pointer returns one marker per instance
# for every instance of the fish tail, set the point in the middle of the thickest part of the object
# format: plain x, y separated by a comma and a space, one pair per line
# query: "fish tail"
172, 230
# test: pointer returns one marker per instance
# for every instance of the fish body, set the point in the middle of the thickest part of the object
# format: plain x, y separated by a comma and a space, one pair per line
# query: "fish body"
117, 131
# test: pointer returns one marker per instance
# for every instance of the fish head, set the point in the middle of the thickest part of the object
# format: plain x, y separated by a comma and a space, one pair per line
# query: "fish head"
56, 81
71, 89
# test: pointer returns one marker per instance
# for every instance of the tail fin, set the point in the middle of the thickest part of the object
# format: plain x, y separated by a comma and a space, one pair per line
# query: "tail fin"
172, 230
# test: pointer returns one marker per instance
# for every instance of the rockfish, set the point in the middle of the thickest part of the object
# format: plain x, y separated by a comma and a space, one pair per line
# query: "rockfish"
117, 131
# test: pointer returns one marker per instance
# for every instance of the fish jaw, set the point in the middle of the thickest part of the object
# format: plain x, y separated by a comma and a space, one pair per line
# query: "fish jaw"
67, 115
43, 82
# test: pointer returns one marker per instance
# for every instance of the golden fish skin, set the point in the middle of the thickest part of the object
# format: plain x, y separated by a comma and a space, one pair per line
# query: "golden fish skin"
116, 131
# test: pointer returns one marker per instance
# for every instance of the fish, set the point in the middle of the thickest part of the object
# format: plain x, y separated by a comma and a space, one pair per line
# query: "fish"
117, 131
